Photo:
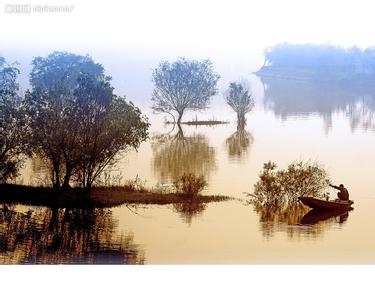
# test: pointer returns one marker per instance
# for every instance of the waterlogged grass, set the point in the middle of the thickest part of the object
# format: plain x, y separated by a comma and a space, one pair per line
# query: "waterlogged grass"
100, 196
197, 122
208, 122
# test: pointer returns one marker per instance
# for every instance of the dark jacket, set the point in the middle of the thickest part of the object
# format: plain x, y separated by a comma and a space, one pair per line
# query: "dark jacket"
343, 194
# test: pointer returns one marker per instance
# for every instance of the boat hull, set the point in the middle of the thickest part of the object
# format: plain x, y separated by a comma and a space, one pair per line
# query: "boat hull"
323, 204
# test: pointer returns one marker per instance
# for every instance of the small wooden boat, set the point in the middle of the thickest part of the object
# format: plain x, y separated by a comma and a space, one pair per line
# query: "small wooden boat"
324, 204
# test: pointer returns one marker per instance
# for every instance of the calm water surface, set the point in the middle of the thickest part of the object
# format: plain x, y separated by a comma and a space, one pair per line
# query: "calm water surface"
333, 125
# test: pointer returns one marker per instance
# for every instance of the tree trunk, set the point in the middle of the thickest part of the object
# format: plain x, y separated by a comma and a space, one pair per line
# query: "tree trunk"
241, 120
68, 174
56, 176
179, 117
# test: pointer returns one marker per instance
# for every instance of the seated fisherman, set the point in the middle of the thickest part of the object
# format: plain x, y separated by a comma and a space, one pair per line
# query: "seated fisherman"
343, 194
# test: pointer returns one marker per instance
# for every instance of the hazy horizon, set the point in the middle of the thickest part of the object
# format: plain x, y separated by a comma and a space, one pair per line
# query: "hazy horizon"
145, 29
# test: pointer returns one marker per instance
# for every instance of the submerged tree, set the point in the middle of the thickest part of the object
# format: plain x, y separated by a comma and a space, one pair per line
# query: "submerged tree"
190, 185
283, 187
275, 197
78, 125
183, 85
13, 128
240, 99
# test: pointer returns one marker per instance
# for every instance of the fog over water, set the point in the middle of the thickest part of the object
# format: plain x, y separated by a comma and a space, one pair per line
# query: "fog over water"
304, 117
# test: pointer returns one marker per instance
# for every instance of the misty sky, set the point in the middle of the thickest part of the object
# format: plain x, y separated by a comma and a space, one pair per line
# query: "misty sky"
143, 28
130, 37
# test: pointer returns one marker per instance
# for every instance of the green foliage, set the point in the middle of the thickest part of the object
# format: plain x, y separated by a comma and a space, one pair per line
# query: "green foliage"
77, 123
13, 130
183, 85
190, 185
62, 70
283, 187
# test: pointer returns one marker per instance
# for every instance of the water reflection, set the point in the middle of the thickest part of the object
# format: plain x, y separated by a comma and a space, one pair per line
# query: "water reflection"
63, 236
296, 220
315, 216
189, 210
175, 155
287, 98
238, 143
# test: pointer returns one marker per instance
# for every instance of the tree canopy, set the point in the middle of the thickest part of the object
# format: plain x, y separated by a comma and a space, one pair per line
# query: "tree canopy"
77, 123
183, 85
13, 129
240, 99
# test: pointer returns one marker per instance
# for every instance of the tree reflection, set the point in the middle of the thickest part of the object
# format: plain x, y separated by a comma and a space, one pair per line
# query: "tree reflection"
292, 97
296, 220
362, 113
63, 236
239, 142
175, 155
189, 209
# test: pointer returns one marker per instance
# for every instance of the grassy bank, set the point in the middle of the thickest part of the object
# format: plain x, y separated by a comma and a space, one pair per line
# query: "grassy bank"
98, 197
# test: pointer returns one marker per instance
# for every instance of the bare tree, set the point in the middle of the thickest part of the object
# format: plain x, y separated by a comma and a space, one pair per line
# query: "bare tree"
183, 85
240, 99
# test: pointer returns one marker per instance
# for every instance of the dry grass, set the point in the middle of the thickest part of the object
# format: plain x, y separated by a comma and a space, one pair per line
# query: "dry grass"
208, 122
117, 196
197, 122
99, 197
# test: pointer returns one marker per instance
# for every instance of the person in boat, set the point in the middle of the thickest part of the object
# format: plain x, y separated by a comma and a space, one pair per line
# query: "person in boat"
343, 194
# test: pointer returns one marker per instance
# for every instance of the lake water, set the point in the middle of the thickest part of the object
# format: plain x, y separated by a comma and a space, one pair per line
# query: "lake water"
292, 120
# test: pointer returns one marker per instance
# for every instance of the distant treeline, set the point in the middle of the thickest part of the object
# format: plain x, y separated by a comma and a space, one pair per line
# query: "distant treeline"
328, 60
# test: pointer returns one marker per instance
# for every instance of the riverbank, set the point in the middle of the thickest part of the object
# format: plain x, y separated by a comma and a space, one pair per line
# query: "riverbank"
100, 197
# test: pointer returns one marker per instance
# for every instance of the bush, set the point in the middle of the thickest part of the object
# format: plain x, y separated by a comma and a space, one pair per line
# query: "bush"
280, 187
190, 185
136, 185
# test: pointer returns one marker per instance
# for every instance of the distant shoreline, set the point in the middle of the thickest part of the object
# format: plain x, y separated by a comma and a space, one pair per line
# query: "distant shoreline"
315, 74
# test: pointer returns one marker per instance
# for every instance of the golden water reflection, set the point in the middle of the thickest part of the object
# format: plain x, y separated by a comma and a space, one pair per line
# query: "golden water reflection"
297, 220
239, 142
290, 97
63, 236
177, 154
189, 209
